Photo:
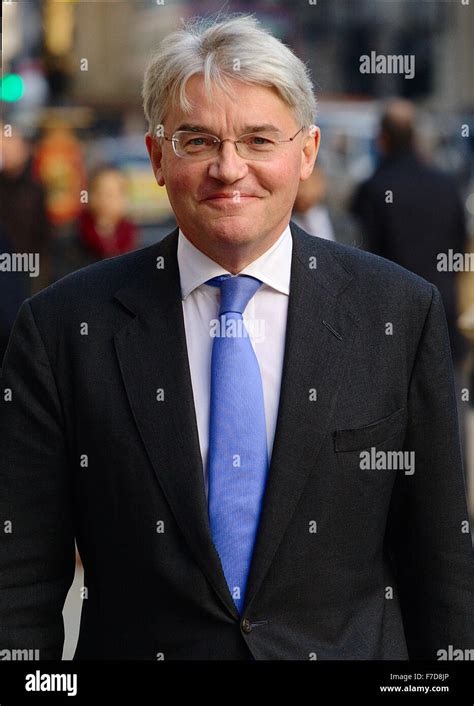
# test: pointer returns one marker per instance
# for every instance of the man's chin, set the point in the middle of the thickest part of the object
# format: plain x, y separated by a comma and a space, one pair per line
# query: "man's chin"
234, 237
231, 229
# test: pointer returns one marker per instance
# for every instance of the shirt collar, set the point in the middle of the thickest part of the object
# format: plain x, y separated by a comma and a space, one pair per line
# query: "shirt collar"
272, 268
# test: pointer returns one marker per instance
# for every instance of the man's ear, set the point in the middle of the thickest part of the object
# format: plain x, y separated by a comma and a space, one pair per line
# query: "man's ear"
310, 152
155, 153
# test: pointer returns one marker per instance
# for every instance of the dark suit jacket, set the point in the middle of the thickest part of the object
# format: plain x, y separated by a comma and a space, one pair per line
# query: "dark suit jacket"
349, 563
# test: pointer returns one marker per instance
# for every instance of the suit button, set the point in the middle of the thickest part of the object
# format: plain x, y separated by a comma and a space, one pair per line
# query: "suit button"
246, 625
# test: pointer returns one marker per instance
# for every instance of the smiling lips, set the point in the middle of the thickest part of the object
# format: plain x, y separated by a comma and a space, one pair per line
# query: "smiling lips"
235, 196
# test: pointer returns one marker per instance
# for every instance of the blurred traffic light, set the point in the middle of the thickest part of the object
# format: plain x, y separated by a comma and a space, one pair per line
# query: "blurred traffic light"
12, 87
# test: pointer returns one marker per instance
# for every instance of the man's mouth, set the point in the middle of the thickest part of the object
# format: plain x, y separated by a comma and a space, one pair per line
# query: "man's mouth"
234, 195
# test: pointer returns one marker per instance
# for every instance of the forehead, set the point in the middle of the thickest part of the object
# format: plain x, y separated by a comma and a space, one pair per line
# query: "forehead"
248, 105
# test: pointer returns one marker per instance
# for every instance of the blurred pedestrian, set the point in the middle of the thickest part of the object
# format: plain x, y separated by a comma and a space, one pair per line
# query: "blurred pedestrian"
103, 229
412, 212
23, 203
312, 212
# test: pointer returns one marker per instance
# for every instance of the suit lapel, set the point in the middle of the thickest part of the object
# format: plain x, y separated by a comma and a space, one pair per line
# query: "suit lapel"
318, 340
152, 355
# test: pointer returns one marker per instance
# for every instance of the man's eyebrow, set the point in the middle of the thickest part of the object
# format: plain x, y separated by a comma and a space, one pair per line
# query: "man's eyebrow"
261, 128
192, 127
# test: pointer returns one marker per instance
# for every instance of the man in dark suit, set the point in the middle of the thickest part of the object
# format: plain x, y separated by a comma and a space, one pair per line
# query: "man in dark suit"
411, 212
288, 486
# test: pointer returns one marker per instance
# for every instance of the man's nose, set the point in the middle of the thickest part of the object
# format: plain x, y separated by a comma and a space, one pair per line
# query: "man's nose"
228, 166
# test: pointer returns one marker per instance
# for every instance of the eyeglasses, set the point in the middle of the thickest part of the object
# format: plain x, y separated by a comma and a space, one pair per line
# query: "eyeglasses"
199, 145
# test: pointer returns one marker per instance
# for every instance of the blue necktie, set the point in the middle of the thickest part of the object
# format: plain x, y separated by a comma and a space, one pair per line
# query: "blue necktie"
238, 458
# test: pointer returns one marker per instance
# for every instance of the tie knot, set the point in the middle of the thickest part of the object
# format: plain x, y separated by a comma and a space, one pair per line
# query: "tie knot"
236, 292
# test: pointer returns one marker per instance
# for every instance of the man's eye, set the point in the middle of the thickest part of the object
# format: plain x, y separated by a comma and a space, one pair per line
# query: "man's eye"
259, 141
196, 142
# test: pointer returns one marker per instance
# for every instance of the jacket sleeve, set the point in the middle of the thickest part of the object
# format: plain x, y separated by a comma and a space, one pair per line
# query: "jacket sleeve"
428, 532
37, 553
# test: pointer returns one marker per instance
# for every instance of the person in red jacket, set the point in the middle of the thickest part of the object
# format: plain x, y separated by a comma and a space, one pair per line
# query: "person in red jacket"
104, 229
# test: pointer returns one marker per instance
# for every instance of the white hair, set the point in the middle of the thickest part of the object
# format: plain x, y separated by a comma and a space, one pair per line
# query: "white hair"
236, 48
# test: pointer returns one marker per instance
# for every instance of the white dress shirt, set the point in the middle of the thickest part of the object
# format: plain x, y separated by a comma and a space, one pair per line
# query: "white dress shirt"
264, 317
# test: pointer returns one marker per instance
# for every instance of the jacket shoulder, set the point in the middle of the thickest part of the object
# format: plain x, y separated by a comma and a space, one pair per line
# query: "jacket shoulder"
373, 275
95, 283
367, 264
